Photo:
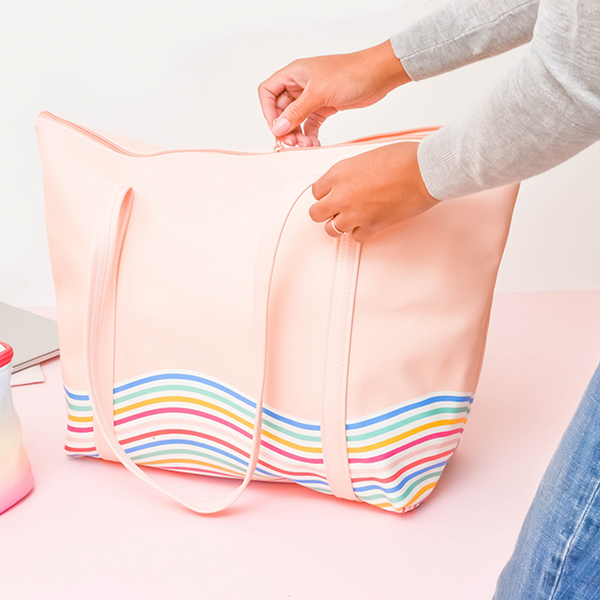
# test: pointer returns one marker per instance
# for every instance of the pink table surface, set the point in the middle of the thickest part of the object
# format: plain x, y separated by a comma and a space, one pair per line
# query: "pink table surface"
90, 530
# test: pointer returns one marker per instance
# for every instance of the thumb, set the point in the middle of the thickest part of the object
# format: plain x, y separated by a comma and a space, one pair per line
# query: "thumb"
295, 113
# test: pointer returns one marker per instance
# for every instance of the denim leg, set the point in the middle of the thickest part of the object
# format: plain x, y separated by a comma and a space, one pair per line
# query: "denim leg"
557, 556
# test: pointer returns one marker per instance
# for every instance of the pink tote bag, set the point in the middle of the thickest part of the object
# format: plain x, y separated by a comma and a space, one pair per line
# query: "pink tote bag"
207, 325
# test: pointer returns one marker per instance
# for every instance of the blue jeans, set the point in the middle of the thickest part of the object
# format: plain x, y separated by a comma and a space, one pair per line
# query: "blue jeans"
557, 556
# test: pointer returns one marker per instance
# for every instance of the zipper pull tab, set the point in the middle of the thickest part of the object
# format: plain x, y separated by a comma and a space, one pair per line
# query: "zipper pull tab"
278, 145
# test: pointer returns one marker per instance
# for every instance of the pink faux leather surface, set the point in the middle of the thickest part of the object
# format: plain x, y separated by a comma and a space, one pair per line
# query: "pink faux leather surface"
167, 293
91, 530
196, 255
350, 342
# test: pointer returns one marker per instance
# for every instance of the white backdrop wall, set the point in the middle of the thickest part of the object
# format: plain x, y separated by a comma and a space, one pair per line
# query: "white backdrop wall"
184, 73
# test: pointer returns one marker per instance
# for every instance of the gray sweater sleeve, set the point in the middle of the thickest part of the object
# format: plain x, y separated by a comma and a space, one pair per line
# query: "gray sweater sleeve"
463, 32
545, 110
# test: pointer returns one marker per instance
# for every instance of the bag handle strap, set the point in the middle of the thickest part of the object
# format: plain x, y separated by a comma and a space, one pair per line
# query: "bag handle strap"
99, 334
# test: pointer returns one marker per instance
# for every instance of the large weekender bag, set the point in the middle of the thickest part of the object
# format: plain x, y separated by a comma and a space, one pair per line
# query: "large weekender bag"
207, 325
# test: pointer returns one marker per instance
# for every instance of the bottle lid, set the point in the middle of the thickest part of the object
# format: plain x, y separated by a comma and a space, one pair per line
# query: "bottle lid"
6, 354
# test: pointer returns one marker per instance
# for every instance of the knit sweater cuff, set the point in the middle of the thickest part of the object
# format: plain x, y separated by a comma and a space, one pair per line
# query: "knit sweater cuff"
440, 167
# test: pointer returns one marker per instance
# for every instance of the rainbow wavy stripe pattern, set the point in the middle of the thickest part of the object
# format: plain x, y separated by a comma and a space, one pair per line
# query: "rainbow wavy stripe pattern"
190, 422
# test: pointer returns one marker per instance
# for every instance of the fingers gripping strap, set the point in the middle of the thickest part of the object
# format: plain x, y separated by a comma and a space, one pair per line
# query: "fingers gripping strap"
99, 336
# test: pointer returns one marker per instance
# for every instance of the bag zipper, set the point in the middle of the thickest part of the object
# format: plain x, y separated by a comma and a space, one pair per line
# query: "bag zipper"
414, 134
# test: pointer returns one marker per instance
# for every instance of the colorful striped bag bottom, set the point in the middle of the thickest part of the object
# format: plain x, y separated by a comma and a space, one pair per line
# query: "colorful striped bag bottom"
188, 422
209, 326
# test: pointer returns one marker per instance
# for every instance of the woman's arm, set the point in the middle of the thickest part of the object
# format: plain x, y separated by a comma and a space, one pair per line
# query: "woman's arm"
297, 99
462, 32
545, 110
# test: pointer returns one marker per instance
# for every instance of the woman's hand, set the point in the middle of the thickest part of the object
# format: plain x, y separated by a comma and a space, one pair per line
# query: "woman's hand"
298, 99
363, 195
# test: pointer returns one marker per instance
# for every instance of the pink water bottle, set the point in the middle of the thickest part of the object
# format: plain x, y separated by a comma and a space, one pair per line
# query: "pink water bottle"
16, 478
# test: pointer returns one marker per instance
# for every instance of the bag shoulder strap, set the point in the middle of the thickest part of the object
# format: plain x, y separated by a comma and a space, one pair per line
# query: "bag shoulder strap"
99, 334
